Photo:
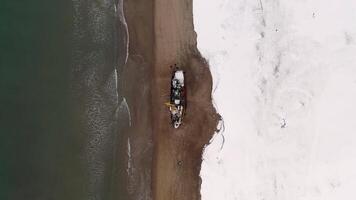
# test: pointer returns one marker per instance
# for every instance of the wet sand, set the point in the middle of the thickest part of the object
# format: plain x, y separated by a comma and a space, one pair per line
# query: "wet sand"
163, 162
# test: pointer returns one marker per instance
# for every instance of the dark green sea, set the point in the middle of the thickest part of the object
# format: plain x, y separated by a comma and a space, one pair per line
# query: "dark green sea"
59, 99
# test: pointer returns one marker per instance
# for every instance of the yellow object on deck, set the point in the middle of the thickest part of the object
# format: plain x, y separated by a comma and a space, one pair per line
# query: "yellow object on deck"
172, 107
169, 104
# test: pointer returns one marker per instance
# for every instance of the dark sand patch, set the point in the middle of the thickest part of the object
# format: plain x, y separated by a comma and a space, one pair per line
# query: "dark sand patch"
166, 161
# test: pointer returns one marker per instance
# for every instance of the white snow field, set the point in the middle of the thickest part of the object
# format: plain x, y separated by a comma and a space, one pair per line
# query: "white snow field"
285, 83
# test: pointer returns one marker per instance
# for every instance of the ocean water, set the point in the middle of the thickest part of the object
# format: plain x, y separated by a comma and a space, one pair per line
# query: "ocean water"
60, 64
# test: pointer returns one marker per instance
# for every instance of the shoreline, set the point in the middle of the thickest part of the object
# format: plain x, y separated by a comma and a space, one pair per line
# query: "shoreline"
162, 34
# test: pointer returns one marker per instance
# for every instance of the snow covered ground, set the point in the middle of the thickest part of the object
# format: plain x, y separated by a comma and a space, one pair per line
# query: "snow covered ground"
285, 79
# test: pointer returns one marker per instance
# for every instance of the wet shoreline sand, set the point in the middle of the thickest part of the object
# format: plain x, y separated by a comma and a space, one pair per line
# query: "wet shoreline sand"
164, 162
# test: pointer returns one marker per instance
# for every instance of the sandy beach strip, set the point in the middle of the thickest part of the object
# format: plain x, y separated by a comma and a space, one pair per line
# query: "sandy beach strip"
166, 160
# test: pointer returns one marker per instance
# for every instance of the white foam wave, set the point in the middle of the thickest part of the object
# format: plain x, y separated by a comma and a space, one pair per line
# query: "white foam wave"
124, 105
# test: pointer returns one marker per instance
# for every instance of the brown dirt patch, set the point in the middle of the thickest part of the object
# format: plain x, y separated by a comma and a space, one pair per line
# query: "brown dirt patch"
161, 34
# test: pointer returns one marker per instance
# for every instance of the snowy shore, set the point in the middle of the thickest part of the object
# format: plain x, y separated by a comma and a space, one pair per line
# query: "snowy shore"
285, 83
